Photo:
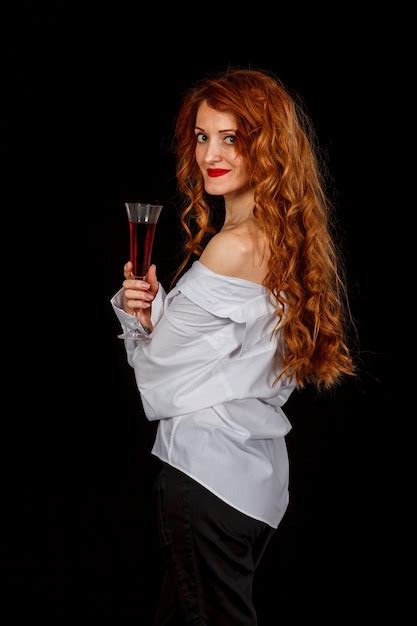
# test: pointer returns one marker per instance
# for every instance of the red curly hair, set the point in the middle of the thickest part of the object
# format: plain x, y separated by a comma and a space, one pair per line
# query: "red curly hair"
275, 138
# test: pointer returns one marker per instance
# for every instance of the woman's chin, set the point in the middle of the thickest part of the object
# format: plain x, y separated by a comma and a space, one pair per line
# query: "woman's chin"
213, 190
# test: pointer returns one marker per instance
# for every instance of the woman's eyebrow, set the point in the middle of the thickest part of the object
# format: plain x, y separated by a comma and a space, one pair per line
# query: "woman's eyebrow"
229, 130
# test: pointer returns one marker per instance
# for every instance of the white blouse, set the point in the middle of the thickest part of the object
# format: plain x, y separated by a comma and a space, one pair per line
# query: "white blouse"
206, 374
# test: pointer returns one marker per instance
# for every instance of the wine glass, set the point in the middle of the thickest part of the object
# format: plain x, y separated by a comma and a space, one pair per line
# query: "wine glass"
142, 223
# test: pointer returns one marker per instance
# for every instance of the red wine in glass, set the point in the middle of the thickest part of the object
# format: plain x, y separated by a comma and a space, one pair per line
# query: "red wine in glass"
141, 242
142, 224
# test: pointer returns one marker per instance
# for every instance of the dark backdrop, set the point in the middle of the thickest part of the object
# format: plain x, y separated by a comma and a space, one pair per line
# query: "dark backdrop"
89, 119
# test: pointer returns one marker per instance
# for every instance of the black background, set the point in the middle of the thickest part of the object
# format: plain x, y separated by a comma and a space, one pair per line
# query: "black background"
89, 111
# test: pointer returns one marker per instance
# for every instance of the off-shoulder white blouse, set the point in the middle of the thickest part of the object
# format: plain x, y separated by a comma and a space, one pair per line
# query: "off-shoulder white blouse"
206, 374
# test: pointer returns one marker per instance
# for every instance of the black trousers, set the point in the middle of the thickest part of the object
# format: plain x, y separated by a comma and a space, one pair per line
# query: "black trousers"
210, 551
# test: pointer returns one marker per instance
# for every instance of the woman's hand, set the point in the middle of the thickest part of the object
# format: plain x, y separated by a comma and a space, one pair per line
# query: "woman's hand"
138, 294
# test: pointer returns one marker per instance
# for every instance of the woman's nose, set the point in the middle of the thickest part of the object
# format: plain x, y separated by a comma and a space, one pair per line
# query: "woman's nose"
213, 153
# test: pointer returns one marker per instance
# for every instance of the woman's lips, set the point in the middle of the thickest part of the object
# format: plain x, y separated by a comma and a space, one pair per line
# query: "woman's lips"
214, 173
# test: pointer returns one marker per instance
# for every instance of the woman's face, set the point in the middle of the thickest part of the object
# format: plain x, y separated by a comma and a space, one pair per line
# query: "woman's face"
223, 169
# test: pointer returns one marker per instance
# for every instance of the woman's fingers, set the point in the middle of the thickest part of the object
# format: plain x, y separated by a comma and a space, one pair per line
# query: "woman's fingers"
135, 303
127, 270
134, 283
152, 278
137, 293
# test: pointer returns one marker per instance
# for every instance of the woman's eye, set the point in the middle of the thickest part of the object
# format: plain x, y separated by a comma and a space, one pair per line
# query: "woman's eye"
201, 137
230, 139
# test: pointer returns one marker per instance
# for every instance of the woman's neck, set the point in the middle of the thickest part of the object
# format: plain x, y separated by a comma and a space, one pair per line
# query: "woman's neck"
239, 207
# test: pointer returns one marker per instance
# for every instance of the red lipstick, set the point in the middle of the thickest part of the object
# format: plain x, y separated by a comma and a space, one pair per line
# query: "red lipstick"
217, 172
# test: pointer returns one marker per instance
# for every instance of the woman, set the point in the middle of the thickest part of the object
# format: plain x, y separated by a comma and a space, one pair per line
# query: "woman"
259, 313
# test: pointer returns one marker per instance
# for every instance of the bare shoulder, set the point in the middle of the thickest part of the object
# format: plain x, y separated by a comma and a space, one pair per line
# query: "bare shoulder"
224, 253
237, 251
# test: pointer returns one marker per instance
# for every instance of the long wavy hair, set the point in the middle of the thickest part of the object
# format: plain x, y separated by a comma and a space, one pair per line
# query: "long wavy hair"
276, 139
